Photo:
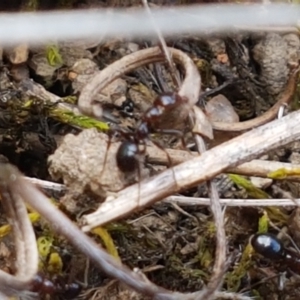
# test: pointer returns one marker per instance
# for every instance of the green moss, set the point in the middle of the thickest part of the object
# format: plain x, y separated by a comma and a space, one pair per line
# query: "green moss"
70, 118
283, 173
233, 279
263, 224
252, 190
53, 56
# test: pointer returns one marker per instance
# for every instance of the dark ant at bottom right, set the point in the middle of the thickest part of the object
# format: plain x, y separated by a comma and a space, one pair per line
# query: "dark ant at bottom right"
269, 246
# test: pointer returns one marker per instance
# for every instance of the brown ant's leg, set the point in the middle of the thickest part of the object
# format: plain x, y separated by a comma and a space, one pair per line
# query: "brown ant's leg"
175, 132
139, 169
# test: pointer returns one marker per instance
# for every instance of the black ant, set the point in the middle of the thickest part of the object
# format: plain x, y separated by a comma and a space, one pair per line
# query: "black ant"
57, 287
129, 149
272, 248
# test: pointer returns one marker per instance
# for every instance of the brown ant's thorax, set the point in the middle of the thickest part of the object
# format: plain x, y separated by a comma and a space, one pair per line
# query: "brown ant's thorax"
142, 132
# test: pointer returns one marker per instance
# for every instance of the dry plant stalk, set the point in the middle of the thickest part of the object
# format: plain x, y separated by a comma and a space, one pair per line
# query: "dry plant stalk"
15, 185
195, 201
190, 86
197, 170
24, 238
216, 279
163, 45
256, 167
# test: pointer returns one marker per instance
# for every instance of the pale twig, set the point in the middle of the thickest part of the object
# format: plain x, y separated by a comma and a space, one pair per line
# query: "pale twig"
163, 46
42, 27
195, 201
220, 255
47, 185
256, 167
199, 169
15, 183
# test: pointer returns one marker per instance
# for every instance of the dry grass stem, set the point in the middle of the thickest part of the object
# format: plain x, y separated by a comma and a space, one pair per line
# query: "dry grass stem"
24, 237
194, 201
47, 185
256, 167
33, 89
199, 169
233, 296
189, 89
163, 45
217, 276
195, 19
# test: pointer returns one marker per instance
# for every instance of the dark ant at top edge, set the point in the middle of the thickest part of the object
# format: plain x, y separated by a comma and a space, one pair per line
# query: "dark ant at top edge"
269, 246
129, 148
57, 286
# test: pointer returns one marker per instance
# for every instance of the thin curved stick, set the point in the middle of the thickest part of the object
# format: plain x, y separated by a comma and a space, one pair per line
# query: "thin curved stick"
189, 89
16, 185
24, 236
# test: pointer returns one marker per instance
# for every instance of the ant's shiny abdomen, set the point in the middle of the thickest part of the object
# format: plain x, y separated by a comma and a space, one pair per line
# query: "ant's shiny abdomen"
272, 248
126, 157
268, 246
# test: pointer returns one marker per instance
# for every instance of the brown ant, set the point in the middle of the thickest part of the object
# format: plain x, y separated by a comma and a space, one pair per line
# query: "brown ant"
57, 286
272, 248
129, 149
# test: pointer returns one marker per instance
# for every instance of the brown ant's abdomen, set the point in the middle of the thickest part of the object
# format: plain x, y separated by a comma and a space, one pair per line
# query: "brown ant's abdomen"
127, 160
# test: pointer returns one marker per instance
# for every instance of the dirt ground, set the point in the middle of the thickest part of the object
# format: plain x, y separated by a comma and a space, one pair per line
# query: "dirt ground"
174, 244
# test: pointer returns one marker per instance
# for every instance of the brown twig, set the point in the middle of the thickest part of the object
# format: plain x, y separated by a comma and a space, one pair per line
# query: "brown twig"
189, 89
